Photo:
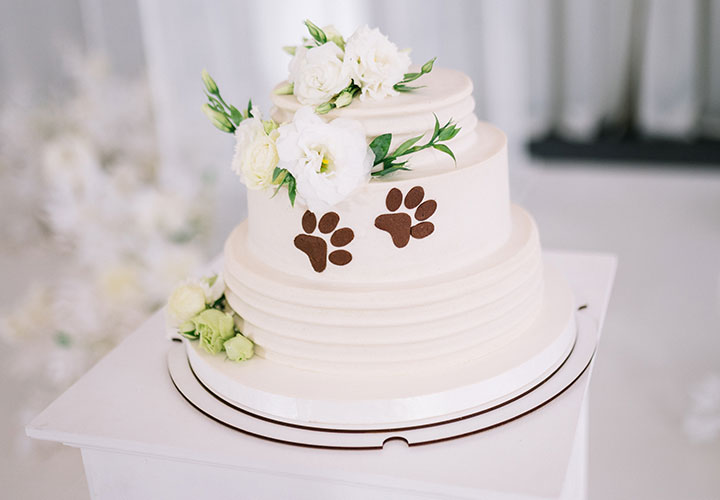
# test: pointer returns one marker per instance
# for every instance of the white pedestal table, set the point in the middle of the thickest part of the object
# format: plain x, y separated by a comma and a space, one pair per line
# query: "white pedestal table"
140, 439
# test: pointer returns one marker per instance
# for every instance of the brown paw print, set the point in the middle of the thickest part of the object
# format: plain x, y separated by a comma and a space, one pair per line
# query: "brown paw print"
400, 225
316, 248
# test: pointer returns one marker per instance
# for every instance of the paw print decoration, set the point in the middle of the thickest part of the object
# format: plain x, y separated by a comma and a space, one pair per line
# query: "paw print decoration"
402, 226
316, 247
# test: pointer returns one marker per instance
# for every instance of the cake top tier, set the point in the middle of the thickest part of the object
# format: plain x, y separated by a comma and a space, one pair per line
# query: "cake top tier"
445, 92
443, 87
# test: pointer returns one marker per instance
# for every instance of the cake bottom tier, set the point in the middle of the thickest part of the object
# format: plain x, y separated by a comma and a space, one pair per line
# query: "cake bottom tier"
410, 326
282, 392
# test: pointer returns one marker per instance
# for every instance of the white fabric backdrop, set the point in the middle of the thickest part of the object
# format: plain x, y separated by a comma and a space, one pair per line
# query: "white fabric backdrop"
566, 65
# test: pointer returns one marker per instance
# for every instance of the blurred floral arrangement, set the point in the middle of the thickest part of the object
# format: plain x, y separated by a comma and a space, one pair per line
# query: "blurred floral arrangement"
82, 183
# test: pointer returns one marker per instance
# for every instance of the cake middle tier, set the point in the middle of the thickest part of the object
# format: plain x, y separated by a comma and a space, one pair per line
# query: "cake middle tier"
392, 229
388, 327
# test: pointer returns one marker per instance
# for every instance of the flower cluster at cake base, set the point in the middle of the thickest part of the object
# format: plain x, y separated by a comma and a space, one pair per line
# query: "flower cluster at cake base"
198, 310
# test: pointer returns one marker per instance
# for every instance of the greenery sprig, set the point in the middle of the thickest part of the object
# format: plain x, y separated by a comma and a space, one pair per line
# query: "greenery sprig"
411, 77
227, 118
391, 162
282, 177
224, 116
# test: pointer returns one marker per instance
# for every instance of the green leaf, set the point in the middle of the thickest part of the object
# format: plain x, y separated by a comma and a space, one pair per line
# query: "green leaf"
290, 49
235, 115
215, 104
315, 32
409, 77
405, 146
63, 339
390, 170
292, 188
380, 146
193, 335
445, 149
249, 109
448, 133
281, 177
407, 88
278, 176
436, 132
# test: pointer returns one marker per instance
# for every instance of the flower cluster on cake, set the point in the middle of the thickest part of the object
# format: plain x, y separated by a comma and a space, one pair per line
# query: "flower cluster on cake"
323, 162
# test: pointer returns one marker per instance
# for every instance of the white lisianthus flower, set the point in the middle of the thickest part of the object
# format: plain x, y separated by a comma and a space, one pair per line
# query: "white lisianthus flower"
328, 160
374, 63
318, 73
186, 301
255, 154
213, 287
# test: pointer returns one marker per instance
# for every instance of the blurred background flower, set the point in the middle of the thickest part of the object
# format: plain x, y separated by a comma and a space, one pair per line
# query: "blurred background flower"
81, 187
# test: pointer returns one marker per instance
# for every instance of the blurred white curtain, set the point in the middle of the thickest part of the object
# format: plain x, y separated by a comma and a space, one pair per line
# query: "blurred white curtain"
572, 66
37, 35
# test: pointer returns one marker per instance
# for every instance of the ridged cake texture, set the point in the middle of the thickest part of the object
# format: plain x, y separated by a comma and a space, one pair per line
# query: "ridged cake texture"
416, 270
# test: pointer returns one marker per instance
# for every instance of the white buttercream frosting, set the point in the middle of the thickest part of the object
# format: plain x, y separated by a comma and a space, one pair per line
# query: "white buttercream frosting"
471, 287
445, 93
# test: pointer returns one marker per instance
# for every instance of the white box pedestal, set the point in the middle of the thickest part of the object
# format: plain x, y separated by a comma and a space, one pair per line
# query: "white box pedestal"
141, 440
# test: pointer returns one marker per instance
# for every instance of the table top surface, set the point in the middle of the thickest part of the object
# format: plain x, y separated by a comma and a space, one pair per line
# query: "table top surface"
127, 403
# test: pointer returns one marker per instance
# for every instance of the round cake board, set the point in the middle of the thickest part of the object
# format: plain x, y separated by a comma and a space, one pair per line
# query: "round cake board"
363, 400
472, 421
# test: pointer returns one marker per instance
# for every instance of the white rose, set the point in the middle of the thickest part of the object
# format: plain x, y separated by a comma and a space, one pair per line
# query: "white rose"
255, 154
318, 73
328, 160
186, 301
374, 63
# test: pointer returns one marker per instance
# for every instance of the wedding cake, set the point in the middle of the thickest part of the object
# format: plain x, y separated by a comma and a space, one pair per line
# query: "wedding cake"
381, 261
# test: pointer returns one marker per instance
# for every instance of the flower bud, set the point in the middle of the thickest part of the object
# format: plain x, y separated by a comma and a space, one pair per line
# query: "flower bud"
333, 35
269, 126
285, 89
324, 108
343, 99
428, 66
239, 348
218, 119
210, 84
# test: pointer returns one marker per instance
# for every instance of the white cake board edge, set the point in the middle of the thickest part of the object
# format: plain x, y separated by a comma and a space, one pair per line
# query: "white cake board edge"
216, 409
